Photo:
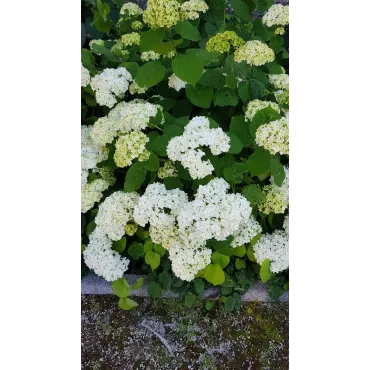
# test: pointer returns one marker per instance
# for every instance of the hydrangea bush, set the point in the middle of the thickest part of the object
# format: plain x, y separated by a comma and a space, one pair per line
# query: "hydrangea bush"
184, 147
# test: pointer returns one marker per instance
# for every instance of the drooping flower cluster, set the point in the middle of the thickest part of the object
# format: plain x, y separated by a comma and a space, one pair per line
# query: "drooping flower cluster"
212, 214
85, 76
256, 105
279, 81
274, 136
276, 15
162, 13
160, 207
131, 9
275, 247
149, 55
129, 147
277, 198
129, 39
123, 118
116, 212
168, 170
175, 83
255, 53
190, 9
223, 41
197, 133
187, 262
100, 257
248, 229
109, 84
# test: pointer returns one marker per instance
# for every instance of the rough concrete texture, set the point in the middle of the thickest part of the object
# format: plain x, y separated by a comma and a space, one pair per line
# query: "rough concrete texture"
93, 284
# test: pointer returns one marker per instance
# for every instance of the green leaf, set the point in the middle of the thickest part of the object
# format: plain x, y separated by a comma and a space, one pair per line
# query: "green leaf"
153, 259
148, 245
87, 59
165, 280
220, 259
257, 89
189, 300
121, 288
90, 227
241, 10
151, 40
139, 283
265, 272
214, 274
135, 176
152, 164
149, 74
240, 264
132, 67
101, 24
225, 96
244, 91
212, 78
187, 67
173, 183
276, 43
154, 290
263, 116
254, 194
136, 250
120, 245
236, 146
209, 304
127, 304
198, 286
230, 304
223, 246
259, 162
157, 248
240, 251
240, 128
200, 96
277, 171
187, 31
103, 8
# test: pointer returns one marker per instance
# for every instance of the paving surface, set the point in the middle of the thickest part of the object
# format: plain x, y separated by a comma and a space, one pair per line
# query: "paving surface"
163, 334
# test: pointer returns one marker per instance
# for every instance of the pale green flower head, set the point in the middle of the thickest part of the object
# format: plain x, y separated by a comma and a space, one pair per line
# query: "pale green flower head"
222, 42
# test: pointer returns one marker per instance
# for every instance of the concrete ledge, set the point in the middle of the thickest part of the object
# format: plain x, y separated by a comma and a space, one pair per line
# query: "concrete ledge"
93, 284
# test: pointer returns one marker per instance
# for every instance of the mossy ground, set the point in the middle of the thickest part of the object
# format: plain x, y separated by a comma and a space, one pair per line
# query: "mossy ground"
255, 337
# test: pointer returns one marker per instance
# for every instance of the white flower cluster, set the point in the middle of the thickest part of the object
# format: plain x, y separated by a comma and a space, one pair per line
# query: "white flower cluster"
116, 212
90, 153
275, 247
190, 9
149, 55
197, 133
274, 136
85, 76
130, 39
100, 257
279, 81
123, 118
212, 214
277, 198
187, 262
256, 105
255, 53
92, 193
160, 207
131, 9
175, 83
168, 170
276, 15
286, 224
109, 84
248, 229
129, 147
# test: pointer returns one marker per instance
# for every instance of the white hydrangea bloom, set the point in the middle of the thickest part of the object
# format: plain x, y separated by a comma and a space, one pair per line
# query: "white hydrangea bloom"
123, 118
274, 136
286, 224
168, 170
256, 105
131, 9
277, 198
160, 208
187, 262
109, 84
212, 214
92, 193
275, 247
149, 55
84, 176
276, 15
116, 212
175, 83
85, 76
197, 133
255, 53
279, 81
280, 31
248, 229
190, 9
91, 154
100, 257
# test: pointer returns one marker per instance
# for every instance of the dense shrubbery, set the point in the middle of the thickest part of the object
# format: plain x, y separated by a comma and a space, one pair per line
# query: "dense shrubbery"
185, 144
